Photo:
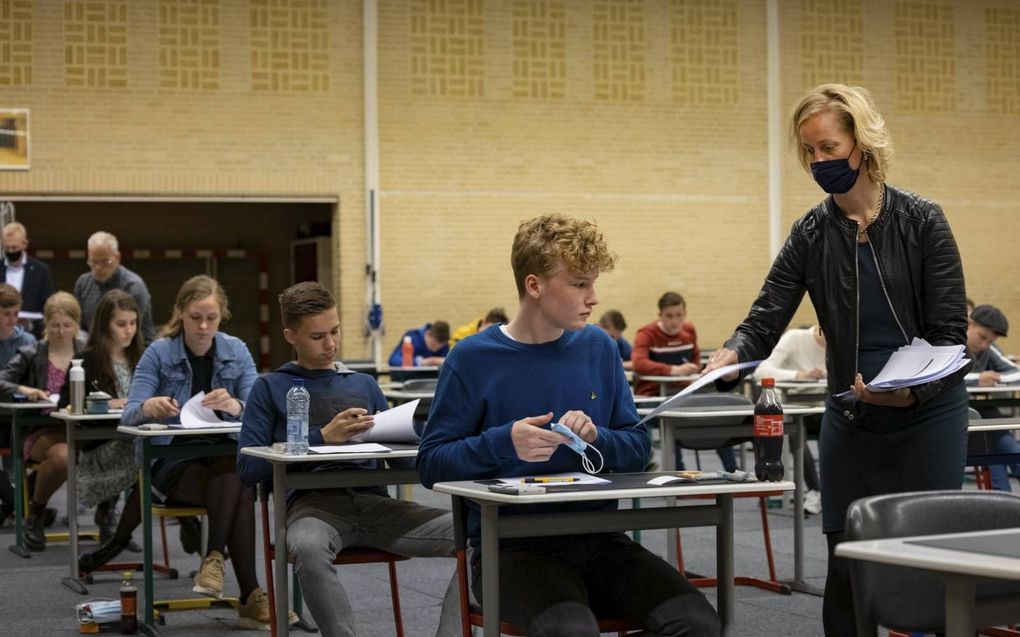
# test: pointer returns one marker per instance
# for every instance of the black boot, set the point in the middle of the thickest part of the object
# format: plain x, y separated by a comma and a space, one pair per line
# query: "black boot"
35, 529
106, 518
109, 550
191, 534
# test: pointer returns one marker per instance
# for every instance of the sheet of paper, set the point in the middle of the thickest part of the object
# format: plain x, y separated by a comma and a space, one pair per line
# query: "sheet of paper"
393, 425
31, 316
368, 447
1010, 377
710, 377
577, 478
195, 416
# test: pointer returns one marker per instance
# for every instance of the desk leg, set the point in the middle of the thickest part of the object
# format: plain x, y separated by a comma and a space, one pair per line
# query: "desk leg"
72, 580
724, 564
146, 494
490, 568
960, 619
18, 548
280, 558
798, 438
667, 433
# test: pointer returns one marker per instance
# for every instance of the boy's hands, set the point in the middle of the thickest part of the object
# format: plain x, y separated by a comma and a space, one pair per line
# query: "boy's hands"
347, 424
533, 443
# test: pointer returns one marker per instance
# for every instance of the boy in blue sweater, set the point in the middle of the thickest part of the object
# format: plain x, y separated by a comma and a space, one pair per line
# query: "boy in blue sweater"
499, 391
322, 522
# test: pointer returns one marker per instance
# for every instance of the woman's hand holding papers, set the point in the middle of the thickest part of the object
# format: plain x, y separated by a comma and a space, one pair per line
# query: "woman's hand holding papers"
896, 398
721, 358
220, 400
346, 425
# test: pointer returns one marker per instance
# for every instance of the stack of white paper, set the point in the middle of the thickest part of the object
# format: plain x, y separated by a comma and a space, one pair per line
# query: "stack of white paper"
919, 363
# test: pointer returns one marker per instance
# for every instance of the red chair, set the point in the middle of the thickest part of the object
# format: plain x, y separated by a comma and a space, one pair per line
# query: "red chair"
351, 555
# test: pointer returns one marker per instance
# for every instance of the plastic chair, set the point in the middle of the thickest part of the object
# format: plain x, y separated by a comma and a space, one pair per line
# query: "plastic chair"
471, 612
911, 600
729, 400
350, 555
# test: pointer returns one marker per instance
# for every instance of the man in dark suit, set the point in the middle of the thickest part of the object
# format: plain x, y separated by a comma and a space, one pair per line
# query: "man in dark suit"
28, 275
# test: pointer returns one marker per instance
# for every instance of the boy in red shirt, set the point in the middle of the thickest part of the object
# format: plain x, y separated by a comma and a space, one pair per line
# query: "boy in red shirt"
659, 346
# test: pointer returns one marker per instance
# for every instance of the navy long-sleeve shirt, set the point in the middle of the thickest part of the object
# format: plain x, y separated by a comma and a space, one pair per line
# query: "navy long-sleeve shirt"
489, 381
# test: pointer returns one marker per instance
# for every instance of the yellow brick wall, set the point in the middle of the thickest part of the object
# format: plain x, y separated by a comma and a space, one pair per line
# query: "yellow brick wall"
645, 115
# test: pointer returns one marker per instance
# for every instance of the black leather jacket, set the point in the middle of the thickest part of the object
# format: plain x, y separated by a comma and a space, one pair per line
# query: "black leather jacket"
919, 265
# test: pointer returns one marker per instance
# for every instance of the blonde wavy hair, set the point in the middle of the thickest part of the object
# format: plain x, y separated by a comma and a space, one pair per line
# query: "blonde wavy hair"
856, 112
195, 289
62, 303
542, 242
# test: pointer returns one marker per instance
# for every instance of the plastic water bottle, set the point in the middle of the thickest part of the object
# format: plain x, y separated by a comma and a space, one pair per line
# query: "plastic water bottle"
77, 379
297, 418
407, 352
128, 605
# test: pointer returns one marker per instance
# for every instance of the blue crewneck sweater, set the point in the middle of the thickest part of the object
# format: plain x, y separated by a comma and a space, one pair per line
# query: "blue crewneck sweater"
489, 381
265, 414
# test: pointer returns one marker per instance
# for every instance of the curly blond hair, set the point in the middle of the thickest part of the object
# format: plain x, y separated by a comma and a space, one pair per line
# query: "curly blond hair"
543, 242
858, 116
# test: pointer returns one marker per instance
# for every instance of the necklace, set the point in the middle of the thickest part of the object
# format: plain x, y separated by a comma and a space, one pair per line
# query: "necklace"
874, 213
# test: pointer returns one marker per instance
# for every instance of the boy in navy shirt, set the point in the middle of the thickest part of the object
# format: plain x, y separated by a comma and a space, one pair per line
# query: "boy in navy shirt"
322, 522
499, 391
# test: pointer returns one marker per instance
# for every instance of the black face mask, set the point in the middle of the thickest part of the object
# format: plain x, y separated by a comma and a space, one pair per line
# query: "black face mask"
835, 176
13, 257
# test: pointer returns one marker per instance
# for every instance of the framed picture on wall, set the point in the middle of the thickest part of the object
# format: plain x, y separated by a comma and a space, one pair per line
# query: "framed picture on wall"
13, 139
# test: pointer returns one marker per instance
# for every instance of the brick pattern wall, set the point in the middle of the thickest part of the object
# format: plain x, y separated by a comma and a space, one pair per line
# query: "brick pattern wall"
645, 115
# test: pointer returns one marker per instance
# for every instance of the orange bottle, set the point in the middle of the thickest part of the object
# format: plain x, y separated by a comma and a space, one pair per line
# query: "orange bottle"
407, 353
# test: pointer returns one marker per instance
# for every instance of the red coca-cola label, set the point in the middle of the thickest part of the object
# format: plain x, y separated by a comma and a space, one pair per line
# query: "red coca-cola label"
768, 425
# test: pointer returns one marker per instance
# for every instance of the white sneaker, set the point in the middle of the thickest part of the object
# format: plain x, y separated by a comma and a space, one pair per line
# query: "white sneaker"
812, 502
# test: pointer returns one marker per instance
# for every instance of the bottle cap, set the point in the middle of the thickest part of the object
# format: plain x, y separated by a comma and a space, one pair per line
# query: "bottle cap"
768, 382
128, 574
297, 382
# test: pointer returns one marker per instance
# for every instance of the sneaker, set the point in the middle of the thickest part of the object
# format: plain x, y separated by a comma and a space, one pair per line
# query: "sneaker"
253, 614
812, 502
209, 579
191, 534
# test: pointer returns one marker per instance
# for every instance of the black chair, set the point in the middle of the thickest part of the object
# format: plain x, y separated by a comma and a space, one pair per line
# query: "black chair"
733, 401
912, 600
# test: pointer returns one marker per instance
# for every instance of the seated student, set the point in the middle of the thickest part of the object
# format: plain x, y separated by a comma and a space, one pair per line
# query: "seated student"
497, 394
613, 323
800, 355
669, 347
431, 345
495, 316
12, 337
322, 522
113, 350
37, 372
194, 356
987, 323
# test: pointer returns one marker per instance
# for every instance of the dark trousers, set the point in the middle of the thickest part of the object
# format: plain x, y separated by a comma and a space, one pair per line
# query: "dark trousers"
559, 585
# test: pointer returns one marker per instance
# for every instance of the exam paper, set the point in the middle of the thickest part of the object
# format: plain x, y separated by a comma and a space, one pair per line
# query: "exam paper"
195, 416
392, 425
710, 377
368, 447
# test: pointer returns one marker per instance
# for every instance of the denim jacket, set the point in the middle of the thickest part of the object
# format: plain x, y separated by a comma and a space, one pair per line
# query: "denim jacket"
164, 371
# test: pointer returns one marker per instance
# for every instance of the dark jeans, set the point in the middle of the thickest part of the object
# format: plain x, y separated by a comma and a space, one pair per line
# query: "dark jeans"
559, 585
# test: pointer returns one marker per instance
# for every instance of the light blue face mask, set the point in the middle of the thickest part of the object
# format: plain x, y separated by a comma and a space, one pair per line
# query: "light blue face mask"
576, 443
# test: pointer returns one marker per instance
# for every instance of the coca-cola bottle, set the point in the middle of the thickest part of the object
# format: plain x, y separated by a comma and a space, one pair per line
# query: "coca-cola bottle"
768, 434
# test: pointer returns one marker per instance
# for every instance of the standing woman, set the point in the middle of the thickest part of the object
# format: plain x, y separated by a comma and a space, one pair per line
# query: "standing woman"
194, 356
37, 372
881, 267
113, 349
